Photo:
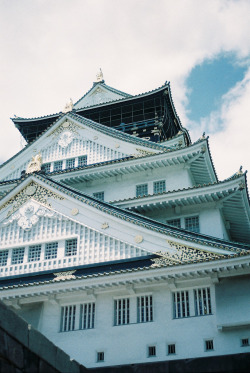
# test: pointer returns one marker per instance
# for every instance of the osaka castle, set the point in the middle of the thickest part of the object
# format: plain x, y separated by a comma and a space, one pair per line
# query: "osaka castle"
119, 243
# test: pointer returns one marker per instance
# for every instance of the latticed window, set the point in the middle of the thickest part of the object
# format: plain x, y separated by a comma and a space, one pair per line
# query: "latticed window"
17, 255
87, 316
70, 163
202, 300
121, 311
159, 186
4, 257
34, 253
175, 222
68, 318
145, 308
192, 224
82, 161
141, 190
47, 167
181, 304
58, 166
51, 250
71, 247
99, 195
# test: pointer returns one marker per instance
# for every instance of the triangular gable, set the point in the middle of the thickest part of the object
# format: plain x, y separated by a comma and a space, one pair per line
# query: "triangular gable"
72, 136
40, 210
100, 93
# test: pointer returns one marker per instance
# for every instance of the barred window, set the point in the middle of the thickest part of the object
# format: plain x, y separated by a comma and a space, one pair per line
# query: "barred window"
171, 349
121, 311
71, 247
51, 250
17, 255
100, 356
99, 195
181, 304
192, 224
70, 163
202, 300
4, 257
34, 253
244, 342
209, 345
159, 186
58, 166
145, 308
46, 167
175, 222
82, 161
141, 190
87, 316
68, 318
151, 351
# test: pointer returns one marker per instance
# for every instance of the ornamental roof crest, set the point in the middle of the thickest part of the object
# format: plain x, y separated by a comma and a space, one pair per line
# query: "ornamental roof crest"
35, 164
66, 126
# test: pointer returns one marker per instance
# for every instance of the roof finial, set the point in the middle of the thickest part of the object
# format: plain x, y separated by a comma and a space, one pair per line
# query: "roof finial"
68, 107
240, 171
99, 76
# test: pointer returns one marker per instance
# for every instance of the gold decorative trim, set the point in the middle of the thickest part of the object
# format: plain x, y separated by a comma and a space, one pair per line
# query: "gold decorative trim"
39, 193
105, 225
67, 275
74, 211
67, 125
138, 239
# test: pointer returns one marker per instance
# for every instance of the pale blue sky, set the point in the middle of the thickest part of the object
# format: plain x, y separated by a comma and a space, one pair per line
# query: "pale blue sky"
51, 51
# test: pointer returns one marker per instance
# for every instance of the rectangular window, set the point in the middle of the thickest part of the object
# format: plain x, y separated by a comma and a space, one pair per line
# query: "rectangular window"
71, 247
4, 257
100, 356
159, 186
181, 304
202, 300
51, 250
175, 222
141, 190
145, 308
34, 253
209, 345
58, 166
99, 195
245, 342
121, 311
46, 167
17, 255
87, 316
192, 224
151, 351
70, 163
171, 349
68, 318
82, 161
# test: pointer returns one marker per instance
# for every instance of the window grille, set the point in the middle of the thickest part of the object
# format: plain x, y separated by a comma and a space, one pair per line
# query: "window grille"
70, 163
51, 250
181, 304
58, 166
151, 351
159, 186
17, 255
245, 342
175, 222
141, 190
99, 195
192, 224
68, 318
100, 356
4, 257
202, 300
171, 349
82, 161
46, 167
87, 316
209, 345
121, 311
71, 247
145, 308
34, 253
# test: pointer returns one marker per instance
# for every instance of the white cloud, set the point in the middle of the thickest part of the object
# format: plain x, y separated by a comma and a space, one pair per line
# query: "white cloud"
51, 51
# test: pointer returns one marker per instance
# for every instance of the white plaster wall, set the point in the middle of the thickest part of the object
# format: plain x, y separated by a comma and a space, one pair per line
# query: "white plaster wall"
128, 344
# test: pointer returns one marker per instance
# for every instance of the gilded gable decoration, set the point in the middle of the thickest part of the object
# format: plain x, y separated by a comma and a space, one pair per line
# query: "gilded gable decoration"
38, 193
67, 275
66, 126
35, 164
65, 139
